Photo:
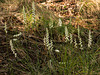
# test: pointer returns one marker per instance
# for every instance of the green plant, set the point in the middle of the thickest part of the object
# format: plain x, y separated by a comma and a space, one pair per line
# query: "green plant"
24, 15
33, 11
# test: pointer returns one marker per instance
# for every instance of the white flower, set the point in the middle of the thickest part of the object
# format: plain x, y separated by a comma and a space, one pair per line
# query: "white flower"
50, 46
44, 40
75, 43
80, 43
5, 28
57, 51
90, 39
14, 39
15, 54
50, 64
12, 48
47, 37
48, 43
60, 22
62, 62
17, 35
71, 39
66, 34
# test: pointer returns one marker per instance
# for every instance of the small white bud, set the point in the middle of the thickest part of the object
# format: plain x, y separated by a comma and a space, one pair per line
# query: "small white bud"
57, 51
14, 39
62, 62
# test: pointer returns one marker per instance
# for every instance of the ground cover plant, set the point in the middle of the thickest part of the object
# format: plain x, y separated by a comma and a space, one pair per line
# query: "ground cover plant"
36, 42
